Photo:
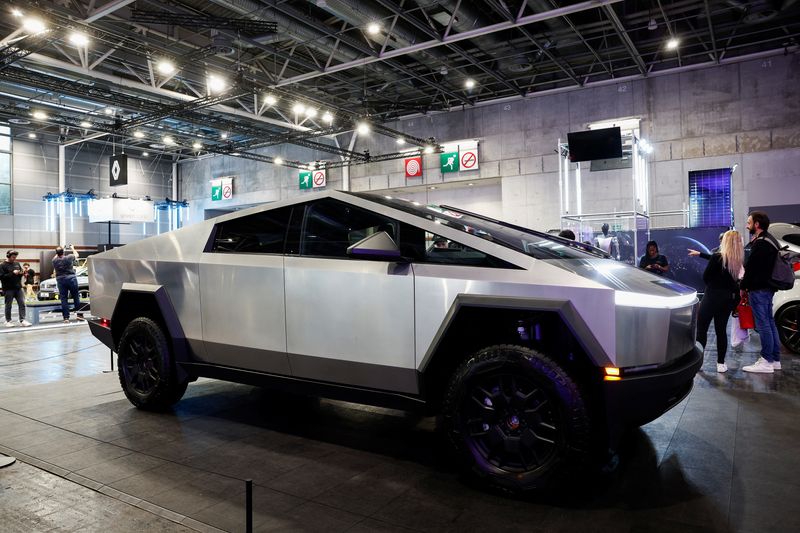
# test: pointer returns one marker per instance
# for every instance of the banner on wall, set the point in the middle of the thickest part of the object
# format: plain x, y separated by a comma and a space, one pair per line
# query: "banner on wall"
413, 166
221, 189
118, 170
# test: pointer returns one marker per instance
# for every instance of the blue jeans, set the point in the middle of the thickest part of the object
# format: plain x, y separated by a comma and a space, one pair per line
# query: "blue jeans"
761, 302
67, 286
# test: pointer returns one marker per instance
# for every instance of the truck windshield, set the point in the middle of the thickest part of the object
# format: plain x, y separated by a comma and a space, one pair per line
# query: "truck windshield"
530, 242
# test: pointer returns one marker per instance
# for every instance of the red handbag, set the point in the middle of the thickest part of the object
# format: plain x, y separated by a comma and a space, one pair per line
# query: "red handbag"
745, 313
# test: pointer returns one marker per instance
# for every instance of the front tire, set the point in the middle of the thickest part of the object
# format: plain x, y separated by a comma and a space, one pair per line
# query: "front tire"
516, 418
788, 322
146, 369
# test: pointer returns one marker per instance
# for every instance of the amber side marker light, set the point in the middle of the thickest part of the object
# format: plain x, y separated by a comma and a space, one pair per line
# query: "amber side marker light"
612, 374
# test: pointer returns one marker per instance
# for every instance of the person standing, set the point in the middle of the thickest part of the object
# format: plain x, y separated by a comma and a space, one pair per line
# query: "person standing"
64, 266
29, 279
653, 261
756, 287
721, 296
608, 243
11, 279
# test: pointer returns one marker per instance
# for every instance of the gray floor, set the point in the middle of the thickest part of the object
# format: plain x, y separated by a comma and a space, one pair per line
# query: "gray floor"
725, 459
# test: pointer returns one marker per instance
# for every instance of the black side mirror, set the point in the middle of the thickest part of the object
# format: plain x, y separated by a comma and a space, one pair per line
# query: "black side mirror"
377, 247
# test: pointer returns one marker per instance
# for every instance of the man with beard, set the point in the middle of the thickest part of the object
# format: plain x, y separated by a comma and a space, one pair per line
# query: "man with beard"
755, 286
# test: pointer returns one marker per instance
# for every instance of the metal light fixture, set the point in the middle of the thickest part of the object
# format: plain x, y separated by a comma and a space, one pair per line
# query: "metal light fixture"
86, 124
138, 134
470, 83
652, 25
165, 67
79, 39
673, 43
327, 117
373, 28
216, 84
278, 161
362, 128
270, 99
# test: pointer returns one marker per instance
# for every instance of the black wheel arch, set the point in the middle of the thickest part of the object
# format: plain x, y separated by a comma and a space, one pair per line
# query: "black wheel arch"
153, 302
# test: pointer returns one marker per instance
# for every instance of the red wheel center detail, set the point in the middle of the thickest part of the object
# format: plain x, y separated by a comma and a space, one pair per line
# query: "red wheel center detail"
513, 422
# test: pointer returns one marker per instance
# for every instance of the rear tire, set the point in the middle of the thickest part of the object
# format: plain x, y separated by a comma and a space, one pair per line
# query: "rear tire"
146, 368
516, 419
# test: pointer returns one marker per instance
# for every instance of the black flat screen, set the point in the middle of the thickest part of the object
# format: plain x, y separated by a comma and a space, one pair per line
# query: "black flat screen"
594, 144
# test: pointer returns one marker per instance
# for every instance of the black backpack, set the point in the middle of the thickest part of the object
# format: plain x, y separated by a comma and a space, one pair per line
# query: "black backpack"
782, 278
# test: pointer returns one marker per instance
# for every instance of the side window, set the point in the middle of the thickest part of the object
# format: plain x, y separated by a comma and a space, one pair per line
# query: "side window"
260, 233
443, 251
331, 227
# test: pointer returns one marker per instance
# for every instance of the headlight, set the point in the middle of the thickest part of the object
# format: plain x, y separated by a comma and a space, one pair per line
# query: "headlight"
637, 299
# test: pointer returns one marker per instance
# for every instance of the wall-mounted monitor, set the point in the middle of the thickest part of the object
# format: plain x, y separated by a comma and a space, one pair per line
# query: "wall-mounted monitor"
594, 144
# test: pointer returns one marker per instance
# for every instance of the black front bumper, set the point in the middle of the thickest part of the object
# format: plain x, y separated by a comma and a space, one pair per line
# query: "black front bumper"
101, 332
639, 398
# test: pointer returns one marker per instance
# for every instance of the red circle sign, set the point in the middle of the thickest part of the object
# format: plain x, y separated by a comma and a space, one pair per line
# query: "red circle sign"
468, 160
413, 167
227, 192
319, 178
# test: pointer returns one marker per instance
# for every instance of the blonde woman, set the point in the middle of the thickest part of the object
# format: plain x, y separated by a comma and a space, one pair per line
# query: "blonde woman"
722, 291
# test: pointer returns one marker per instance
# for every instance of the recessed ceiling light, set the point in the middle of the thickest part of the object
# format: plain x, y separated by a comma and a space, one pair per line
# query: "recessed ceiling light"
470, 83
138, 134
79, 39
362, 128
277, 161
31, 135
373, 28
270, 99
39, 115
86, 124
165, 67
673, 43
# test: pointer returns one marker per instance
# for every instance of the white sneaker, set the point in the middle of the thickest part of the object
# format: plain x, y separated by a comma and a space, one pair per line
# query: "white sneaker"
25, 323
722, 367
761, 366
10, 324
776, 365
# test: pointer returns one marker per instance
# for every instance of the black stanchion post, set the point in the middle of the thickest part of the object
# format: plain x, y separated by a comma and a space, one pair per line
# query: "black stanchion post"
249, 503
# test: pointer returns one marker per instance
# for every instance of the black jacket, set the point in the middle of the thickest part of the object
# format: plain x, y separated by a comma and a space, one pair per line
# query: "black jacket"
8, 279
758, 268
717, 277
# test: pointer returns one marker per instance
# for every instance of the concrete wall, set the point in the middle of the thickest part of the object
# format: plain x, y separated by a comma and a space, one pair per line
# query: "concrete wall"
746, 113
35, 173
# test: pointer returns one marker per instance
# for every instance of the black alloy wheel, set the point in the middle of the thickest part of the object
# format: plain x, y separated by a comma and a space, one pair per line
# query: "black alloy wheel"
788, 322
516, 418
146, 370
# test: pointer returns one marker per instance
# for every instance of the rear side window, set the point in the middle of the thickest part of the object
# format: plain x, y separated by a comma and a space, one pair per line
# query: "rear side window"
259, 233
331, 226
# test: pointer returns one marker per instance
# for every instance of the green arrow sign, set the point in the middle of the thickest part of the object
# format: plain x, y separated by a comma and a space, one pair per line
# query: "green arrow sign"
305, 180
449, 162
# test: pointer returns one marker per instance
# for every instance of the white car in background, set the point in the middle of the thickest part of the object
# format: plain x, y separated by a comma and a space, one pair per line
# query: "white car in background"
48, 289
786, 304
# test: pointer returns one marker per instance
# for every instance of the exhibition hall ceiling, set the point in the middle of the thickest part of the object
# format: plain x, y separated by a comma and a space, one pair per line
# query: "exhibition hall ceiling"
192, 77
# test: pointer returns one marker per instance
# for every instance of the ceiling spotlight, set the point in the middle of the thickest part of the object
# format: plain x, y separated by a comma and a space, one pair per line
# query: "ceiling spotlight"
16, 12
33, 25
298, 108
401, 141
362, 128
672, 44
108, 111
223, 135
31, 135
165, 67
86, 124
79, 39
470, 83
216, 84
145, 154
168, 140
652, 25
311, 112
39, 115
428, 149
138, 134
277, 161
196, 145
373, 28
327, 117
270, 99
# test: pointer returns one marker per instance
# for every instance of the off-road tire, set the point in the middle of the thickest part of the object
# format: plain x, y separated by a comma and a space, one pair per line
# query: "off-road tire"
516, 419
146, 368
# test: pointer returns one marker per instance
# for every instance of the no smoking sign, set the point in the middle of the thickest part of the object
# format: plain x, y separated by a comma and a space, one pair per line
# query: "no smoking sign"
227, 192
319, 178
469, 158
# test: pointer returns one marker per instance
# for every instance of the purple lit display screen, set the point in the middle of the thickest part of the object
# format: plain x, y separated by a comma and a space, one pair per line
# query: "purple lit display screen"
710, 198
